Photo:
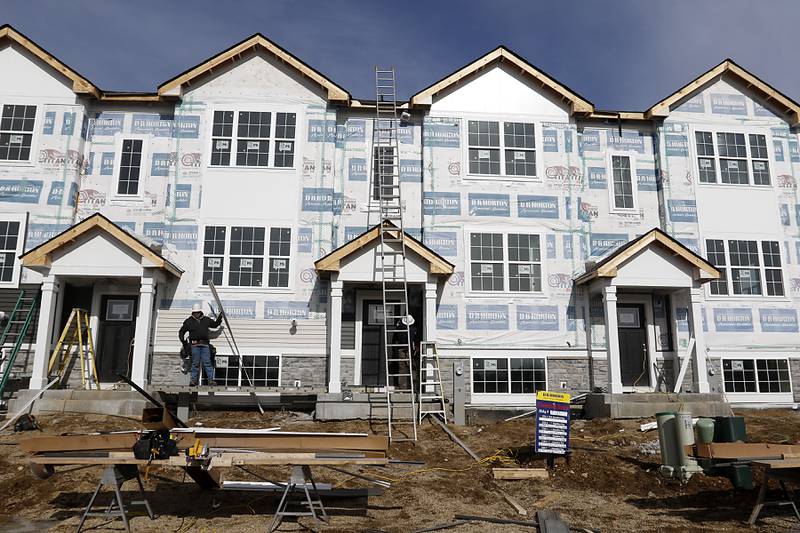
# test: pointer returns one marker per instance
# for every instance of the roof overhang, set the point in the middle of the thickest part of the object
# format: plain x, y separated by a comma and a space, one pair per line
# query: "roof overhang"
333, 261
41, 255
173, 87
608, 267
788, 107
577, 103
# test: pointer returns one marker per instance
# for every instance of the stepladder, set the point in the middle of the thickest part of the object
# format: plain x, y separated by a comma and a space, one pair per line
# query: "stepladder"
431, 391
75, 340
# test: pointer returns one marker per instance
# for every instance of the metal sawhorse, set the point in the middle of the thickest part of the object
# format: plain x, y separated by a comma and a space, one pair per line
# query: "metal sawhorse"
301, 476
114, 476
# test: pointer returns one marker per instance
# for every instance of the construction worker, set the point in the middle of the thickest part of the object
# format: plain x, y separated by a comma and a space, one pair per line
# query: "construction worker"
197, 326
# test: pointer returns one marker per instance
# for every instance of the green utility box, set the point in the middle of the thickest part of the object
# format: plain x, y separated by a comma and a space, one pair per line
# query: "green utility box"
729, 429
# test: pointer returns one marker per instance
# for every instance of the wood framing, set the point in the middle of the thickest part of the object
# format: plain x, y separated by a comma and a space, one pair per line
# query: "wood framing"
80, 85
332, 262
785, 105
609, 266
577, 103
41, 255
257, 41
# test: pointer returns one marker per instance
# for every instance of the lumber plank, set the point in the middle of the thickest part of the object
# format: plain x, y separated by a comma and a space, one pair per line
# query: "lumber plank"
53, 443
520, 473
741, 450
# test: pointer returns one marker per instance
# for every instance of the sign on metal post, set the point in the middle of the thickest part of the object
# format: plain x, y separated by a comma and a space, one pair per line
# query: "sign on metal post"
552, 422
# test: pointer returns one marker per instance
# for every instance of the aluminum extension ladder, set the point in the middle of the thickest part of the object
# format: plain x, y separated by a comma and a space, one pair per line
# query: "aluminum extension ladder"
400, 401
16, 331
430, 382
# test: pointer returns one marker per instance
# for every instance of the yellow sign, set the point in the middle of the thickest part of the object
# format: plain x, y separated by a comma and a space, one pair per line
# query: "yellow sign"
548, 396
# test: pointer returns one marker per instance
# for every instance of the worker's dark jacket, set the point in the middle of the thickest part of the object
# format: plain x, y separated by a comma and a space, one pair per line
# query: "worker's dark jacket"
198, 329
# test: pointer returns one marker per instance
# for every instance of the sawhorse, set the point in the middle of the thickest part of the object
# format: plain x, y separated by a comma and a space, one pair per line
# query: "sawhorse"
114, 476
301, 475
781, 471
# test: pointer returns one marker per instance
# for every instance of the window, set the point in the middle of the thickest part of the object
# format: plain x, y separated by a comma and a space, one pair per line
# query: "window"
623, 182
214, 254
247, 257
489, 263
263, 370
742, 271
734, 159
256, 136
756, 375
16, 132
280, 240
514, 151
384, 168
130, 165
503, 375
243, 265
9, 246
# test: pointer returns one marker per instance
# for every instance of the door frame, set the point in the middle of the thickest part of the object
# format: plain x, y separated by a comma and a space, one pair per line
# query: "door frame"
101, 290
650, 334
361, 295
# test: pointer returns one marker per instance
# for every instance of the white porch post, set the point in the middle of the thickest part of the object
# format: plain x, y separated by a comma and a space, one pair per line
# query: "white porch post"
699, 370
612, 340
430, 311
144, 320
335, 336
41, 357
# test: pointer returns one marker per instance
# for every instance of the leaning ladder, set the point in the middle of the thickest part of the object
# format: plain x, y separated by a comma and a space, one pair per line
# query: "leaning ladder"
77, 333
430, 382
400, 401
15, 332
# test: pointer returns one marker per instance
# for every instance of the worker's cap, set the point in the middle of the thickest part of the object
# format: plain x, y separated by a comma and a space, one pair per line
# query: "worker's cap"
407, 320
197, 308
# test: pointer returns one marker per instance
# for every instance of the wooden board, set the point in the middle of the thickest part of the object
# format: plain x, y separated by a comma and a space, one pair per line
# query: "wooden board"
742, 450
58, 443
520, 473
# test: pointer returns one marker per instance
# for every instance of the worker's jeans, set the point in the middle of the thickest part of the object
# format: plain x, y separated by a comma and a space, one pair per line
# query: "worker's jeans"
201, 353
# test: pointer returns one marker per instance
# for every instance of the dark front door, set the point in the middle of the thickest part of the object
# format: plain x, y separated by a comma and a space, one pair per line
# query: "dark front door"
114, 343
373, 354
633, 346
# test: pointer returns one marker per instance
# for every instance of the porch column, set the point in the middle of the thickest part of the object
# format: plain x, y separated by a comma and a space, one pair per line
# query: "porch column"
430, 311
44, 332
144, 320
335, 336
699, 370
612, 340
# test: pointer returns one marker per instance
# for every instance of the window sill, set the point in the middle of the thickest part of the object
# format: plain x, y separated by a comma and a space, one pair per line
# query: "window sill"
240, 168
735, 185
241, 290
500, 177
745, 298
119, 198
15, 163
506, 294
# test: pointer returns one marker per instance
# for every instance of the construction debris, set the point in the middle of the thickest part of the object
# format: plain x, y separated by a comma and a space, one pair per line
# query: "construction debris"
520, 473
490, 519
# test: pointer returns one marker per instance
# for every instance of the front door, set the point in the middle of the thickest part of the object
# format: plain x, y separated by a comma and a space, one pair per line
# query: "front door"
115, 337
633, 345
373, 354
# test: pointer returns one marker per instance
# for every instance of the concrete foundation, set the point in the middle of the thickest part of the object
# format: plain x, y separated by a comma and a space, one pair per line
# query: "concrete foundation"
645, 405
104, 402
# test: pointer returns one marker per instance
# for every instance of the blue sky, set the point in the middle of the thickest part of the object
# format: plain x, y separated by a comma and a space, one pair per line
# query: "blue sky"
621, 54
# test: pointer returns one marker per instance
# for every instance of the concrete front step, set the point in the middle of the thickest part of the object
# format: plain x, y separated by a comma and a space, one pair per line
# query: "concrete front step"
105, 402
646, 405
363, 406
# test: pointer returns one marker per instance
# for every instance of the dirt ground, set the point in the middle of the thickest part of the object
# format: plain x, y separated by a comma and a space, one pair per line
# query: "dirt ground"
610, 484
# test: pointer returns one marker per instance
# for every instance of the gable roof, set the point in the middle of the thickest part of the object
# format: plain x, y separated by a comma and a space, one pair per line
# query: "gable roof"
608, 266
80, 85
332, 262
788, 107
40, 255
256, 41
577, 103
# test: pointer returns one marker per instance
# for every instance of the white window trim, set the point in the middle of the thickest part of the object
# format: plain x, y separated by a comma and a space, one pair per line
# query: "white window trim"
543, 294
610, 179
538, 148
144, 171
746, 297
504, 398
299, 133
22, 218
33, 159
716, 128
249, 353
768, 397
264, 289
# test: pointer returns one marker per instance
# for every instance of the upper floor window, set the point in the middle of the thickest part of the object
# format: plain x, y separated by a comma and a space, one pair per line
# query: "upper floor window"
385, 174
246, 250
622, 176
511, 154
16, 132
130, 167
253, 139
500, 262
741, 267
732, 158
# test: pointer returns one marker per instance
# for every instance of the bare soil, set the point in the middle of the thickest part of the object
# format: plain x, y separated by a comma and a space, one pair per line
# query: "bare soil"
609, 483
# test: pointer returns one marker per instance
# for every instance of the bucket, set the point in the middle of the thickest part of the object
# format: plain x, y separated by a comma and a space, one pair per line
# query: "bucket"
705, 430
666, 438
